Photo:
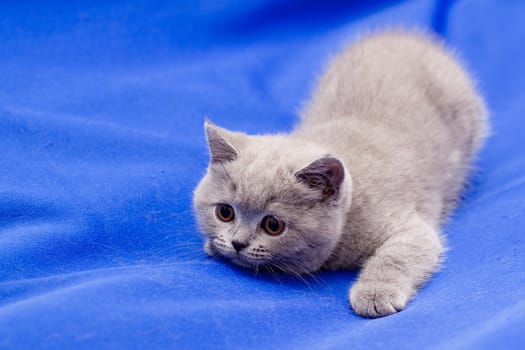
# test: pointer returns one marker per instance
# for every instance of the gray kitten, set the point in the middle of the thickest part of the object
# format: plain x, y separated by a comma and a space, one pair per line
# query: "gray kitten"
365, 180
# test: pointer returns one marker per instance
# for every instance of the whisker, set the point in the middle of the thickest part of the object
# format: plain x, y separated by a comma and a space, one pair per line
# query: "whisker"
274, 274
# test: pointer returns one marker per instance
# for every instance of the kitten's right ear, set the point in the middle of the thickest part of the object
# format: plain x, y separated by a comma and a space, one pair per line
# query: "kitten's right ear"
220, 149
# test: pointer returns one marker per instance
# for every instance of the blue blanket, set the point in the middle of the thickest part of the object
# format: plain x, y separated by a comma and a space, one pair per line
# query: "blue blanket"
101, 138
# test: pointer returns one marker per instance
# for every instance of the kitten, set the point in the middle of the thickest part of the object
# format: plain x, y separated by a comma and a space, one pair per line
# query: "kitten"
365, 180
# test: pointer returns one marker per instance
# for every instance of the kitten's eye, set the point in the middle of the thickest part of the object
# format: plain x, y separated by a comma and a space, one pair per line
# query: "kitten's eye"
272, 225
224, 212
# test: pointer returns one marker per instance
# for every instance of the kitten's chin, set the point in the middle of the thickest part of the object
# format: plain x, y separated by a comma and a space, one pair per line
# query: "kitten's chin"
287, 268
245, 261
237, 261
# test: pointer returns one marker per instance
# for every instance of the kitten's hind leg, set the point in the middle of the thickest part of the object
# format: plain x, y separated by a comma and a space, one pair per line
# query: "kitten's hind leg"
391, 276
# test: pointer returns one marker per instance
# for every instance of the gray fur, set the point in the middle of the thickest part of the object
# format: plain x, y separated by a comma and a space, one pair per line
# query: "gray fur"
404, 121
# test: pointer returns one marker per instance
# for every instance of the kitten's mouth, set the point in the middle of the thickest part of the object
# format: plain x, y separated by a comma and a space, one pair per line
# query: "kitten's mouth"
238, 258
246, 262
242, 263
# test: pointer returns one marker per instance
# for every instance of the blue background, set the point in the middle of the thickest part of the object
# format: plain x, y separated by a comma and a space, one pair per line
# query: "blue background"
101, 141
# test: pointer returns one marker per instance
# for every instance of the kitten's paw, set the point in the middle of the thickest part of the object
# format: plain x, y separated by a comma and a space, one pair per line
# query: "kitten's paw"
377, 299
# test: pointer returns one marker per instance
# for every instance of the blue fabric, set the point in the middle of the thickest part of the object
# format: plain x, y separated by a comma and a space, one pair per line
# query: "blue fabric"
101, 138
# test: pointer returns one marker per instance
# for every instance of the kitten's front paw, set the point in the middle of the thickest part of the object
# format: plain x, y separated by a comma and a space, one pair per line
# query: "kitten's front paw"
377, 299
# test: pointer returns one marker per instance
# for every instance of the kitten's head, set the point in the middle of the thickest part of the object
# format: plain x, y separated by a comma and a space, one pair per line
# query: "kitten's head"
276, 201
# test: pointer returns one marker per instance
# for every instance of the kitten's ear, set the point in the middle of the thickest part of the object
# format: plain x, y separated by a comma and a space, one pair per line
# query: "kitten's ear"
221, 149
324, 175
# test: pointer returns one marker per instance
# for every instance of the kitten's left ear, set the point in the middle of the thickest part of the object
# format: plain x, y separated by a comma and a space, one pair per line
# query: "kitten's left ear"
324, 175
221, 149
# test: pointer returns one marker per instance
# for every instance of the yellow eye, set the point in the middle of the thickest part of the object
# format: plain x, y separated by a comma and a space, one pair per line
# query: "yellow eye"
224, 212
272, 225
